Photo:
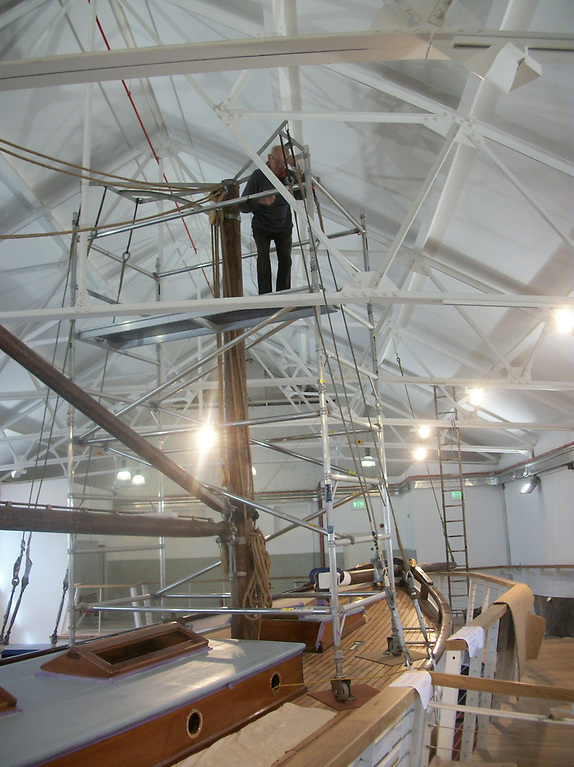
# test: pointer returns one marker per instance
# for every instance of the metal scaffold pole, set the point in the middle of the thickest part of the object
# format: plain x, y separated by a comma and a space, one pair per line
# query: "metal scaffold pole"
71, 437
340, 684
386, 574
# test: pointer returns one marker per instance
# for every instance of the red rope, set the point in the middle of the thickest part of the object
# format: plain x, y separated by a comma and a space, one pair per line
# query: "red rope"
129, 95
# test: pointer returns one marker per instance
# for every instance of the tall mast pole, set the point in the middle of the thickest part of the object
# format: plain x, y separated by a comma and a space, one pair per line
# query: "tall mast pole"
237, 454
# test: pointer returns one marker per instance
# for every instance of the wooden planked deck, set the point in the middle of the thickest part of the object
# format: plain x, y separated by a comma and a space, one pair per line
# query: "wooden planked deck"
318, 668
351, 731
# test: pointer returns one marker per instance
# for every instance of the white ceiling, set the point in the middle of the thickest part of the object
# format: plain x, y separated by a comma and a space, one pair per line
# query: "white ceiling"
466, 193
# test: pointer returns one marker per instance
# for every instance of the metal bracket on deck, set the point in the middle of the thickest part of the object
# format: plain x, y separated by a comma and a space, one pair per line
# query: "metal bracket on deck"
341, 689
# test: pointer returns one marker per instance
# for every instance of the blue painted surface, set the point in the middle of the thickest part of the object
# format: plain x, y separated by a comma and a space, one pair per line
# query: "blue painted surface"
58, 713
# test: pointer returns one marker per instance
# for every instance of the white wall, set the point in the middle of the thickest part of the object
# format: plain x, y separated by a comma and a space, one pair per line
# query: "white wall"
420, 525
542, 523
37, 614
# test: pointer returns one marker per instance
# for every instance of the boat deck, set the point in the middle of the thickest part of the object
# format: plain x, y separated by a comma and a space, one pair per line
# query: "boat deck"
369, 640
510, 742
350, 724
159, 686
145, 716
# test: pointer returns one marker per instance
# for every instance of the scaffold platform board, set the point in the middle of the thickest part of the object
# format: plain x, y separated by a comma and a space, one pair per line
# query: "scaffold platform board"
174, 327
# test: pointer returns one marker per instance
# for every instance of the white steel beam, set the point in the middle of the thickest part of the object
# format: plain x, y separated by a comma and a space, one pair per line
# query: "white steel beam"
444, 115
217, 56
352, 294
285, 23
560, 231
415, 206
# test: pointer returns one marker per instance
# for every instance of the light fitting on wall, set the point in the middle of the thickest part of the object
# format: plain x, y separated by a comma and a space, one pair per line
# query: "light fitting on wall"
505, 66
532, 482
367, 461
124, 474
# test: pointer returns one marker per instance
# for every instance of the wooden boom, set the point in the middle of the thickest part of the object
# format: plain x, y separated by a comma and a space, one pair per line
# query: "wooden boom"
47, 519
72, 393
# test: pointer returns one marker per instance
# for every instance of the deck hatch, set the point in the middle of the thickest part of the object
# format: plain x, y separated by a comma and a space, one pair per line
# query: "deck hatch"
121, 654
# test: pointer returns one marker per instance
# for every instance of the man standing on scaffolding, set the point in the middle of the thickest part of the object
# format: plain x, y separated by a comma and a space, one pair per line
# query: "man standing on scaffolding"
272, 221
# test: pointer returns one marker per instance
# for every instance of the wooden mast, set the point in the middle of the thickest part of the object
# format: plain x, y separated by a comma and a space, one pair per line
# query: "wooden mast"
237, 453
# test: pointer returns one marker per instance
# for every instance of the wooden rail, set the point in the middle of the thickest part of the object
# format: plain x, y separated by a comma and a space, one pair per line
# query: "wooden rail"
485, 620
502, 687
347, 736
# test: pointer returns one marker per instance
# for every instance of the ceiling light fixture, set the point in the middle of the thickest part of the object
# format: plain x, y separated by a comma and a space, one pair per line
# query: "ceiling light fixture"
367, 460
475, 396
206, 437
532, 482
564, 320
138, 478
420, 453
124, 474
424, 431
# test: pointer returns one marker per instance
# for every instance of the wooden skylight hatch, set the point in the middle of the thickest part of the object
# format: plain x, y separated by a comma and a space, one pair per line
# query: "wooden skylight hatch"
113, 656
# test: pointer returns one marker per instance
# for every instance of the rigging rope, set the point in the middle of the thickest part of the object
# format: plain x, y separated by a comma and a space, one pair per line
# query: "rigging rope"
138, 116
15, 582
64, 232
6, 631
386, 566
258, 593
7, 628
9, 618
65, 586
355, 441
302, 189
87, 173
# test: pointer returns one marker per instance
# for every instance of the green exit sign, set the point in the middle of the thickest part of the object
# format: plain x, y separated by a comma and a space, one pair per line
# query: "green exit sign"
358, 504
456, 495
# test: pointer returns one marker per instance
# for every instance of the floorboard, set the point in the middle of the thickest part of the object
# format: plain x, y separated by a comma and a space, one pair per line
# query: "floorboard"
530, 744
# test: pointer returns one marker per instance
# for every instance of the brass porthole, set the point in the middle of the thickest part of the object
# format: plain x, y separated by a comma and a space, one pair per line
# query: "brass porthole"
194, 723
275, 682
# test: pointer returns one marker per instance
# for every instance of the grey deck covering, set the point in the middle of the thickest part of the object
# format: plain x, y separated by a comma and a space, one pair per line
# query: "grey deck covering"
56, 714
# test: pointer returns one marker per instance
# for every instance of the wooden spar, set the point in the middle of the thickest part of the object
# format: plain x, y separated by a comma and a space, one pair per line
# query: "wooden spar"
46, 519
237, 447
98, 413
